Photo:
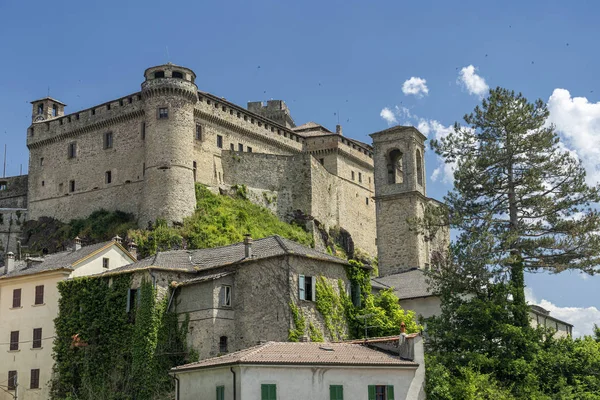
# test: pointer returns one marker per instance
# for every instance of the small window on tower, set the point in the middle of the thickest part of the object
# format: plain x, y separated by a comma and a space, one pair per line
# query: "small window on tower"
71, 186
223, 344
232, 146
159, 74
108, 177
108, 140
163, 113
54, 110
143, 131
3, 185
72, 150
249, 149
198, 132
177, 74
240, 147
40, 109
220, 141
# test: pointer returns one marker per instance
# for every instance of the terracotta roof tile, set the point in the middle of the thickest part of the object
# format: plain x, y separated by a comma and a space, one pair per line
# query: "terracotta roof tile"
304, 354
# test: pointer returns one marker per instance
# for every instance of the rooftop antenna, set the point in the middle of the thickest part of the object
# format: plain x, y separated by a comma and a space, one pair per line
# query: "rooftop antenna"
48, 90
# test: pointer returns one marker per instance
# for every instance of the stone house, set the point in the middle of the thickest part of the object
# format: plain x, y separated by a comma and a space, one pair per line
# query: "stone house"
275, 370
239, 295
413, 293
28, 305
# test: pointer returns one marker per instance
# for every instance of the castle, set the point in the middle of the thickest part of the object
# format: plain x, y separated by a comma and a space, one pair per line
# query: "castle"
142, 154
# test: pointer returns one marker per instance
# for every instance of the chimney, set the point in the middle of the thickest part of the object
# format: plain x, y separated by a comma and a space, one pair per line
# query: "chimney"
406, 346
10, 262
117, 239
247, 246
132, 248
338, 130
77, 242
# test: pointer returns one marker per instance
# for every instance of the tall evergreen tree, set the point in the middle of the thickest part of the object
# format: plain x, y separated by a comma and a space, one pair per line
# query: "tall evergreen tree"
520, 200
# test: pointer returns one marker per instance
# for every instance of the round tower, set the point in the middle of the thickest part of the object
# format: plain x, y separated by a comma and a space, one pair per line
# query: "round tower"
169, 94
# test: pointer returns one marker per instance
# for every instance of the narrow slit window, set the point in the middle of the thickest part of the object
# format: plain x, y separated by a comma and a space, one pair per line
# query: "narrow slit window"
108, 177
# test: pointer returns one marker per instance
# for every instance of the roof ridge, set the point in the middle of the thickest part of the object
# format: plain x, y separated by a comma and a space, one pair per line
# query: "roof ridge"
257, 350
285, 248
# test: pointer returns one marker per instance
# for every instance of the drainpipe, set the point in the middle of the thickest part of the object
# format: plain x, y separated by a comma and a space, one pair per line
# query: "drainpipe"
234, 384
153, 278
176, 379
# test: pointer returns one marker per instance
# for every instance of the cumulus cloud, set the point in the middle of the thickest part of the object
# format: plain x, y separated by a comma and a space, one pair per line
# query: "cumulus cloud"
474, 83
388, 116
415, 86
444, 171
578, 122
582, 318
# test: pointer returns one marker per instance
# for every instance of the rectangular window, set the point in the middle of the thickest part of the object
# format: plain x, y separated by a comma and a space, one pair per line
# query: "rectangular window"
360, 177
322, 161
367, 200
71, 186
240, 147
143, 131
108, 177
72, 150
198, 132
223, 344
34, 383
37, 338
108, 140
220, 392
232, 146
41, 161
105, 262
225, 296
381, 392
352, 175
220, 141
16, 298
39, 294
336, 392
133, 298
163, 113
306, 287
14, 341
12, 380
268, 392
249, 149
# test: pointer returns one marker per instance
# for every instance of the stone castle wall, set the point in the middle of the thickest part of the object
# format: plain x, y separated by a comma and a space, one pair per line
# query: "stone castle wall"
302, 183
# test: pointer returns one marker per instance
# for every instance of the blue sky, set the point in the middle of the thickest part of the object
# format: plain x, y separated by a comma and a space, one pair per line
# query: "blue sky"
325, 59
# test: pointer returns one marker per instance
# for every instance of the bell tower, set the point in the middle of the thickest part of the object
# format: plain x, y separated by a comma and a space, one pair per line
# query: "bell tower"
46, 108
399, 195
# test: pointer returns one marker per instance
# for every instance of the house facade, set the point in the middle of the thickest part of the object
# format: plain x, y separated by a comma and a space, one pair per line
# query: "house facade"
280, 371
29, 301
240, 295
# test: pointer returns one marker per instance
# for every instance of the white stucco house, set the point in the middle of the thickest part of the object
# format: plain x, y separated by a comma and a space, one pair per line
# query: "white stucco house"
288, 371
28, 306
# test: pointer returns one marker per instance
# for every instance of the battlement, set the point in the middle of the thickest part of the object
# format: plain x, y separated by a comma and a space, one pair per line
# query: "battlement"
238, 117
97, 117
275, 110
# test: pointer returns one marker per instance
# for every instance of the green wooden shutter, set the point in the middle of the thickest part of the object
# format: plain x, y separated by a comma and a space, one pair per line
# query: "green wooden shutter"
390, 392
371, 392
273, 392
264, 392
336, 392
301, 294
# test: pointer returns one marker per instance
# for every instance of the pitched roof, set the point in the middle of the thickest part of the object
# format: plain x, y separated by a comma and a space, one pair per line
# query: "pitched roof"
409, 284
52, 262
311, 129
205, 259
311, 353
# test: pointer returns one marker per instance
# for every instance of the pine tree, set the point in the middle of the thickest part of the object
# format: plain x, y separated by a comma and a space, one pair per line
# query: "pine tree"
520, 200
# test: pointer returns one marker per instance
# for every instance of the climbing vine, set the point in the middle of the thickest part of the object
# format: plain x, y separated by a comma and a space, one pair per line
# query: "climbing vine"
295, 334
104, 351
315, 334
332, 307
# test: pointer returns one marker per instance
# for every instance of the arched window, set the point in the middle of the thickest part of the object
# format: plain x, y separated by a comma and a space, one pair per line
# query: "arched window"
159, 74
395, 167
177, 74
54, 110
223, 344
419, 161
40, 109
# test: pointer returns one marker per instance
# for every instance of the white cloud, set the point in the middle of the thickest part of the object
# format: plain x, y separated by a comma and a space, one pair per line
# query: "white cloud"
445, 171
578, 122
474, 83
415, 86
388, 115
582, 318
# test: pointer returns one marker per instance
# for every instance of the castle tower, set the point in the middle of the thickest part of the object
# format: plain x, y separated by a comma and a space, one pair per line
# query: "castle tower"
169, 95
46, 108
399, 195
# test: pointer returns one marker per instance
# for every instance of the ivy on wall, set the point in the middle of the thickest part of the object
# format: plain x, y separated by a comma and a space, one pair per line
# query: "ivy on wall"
116, 354
299, 321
